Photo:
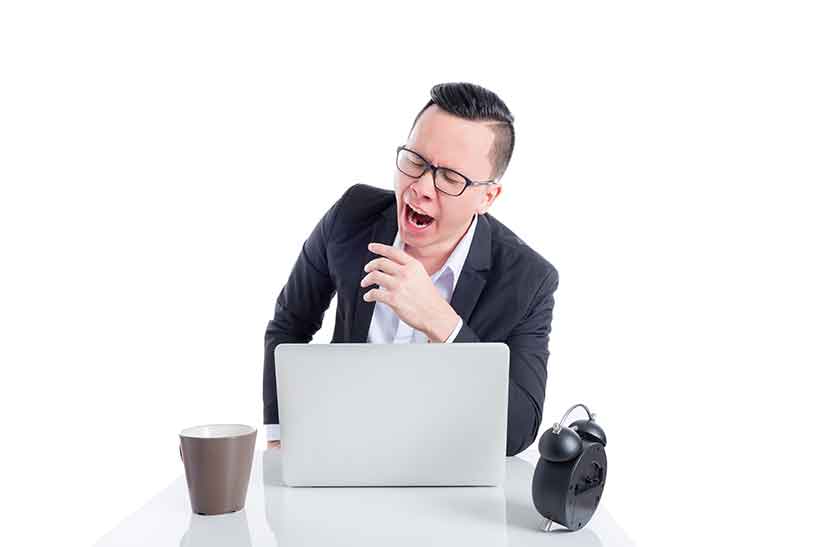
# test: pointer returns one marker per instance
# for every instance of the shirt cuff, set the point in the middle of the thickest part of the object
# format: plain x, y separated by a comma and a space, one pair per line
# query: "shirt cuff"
455, 331
272, 432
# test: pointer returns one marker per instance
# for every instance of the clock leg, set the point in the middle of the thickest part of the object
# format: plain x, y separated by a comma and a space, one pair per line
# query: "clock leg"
547, 525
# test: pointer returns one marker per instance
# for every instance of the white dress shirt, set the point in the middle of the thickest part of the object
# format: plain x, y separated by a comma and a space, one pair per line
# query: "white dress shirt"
387, 328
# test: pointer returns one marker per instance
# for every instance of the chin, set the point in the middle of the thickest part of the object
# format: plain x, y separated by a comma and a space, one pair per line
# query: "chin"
416, 241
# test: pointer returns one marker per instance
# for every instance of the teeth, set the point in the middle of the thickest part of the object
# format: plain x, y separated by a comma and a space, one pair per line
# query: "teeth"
411, 217
417, 211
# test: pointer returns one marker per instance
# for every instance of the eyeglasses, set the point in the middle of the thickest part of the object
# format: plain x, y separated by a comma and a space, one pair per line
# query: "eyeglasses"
449, 181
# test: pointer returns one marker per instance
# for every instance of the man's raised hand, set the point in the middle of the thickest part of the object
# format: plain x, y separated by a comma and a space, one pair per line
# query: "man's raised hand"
405, 286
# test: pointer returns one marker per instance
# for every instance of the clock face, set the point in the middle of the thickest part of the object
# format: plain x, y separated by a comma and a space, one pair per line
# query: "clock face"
585, 486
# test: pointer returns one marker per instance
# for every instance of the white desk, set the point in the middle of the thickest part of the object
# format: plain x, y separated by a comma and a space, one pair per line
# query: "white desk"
277, 515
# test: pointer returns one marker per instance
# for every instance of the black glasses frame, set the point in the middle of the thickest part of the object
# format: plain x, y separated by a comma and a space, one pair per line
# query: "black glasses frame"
430, 167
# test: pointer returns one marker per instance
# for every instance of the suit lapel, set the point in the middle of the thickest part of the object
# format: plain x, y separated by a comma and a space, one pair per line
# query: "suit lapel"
473, 276
468, 289
384, 231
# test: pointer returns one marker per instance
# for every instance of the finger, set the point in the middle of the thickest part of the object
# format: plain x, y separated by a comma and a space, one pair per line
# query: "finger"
379, 278
377, 295
384, 264
392, 253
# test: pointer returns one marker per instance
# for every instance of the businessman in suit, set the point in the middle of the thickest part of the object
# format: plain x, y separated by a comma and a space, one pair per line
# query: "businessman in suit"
426, 262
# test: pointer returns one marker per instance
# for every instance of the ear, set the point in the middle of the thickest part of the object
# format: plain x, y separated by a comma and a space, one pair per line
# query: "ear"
488, 197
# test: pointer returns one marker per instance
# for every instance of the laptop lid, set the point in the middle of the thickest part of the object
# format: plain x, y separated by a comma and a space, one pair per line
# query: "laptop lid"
392, 414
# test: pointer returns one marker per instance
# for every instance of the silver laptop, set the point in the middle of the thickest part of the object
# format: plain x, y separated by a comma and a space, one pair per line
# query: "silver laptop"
393, 414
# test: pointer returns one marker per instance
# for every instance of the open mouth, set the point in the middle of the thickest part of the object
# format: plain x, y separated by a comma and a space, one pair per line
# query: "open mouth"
417, 218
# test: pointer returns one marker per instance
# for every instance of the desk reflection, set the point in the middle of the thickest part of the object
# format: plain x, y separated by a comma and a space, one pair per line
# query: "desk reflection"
217, 531
482, 516
381, 516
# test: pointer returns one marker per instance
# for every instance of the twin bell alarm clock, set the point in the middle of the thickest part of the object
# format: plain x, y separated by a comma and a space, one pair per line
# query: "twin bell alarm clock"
571, 471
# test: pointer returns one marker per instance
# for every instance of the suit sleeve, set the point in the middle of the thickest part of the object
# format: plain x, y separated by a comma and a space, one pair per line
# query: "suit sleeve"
528, 344
301, 305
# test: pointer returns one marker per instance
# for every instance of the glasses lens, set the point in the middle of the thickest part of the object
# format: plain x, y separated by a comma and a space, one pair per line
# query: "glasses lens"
410, 163
450, 182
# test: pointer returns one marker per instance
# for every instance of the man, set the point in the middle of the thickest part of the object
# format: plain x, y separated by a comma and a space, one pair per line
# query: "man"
452, 274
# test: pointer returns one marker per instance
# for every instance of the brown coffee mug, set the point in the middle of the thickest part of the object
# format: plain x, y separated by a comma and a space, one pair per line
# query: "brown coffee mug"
218, 459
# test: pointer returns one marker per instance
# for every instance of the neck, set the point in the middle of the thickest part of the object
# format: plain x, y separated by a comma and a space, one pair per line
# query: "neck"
431, 263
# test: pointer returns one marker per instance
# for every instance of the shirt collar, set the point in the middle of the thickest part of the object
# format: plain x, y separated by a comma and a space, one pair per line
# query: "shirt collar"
455, 262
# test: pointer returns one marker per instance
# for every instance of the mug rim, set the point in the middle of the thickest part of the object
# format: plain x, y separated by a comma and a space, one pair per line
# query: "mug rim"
217, 431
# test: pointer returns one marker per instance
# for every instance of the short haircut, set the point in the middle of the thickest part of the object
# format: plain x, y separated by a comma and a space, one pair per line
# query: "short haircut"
473, 102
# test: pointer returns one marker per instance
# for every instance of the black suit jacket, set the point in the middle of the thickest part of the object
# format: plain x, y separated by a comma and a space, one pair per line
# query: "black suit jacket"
504, 294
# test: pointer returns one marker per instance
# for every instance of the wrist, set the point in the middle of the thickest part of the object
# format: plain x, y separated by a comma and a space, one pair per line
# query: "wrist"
441, 327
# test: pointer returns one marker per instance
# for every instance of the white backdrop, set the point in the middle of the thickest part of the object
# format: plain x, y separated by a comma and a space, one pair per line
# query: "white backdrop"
162, 162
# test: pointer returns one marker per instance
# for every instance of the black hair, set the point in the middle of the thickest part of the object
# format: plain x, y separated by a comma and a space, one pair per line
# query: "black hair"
473, 102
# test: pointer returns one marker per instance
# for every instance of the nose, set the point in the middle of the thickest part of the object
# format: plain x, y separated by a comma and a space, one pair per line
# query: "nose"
424, 188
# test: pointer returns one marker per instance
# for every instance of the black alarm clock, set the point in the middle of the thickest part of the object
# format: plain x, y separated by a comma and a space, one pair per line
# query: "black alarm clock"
569, 479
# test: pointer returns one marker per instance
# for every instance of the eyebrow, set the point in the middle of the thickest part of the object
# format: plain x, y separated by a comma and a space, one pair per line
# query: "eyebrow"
419, 154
